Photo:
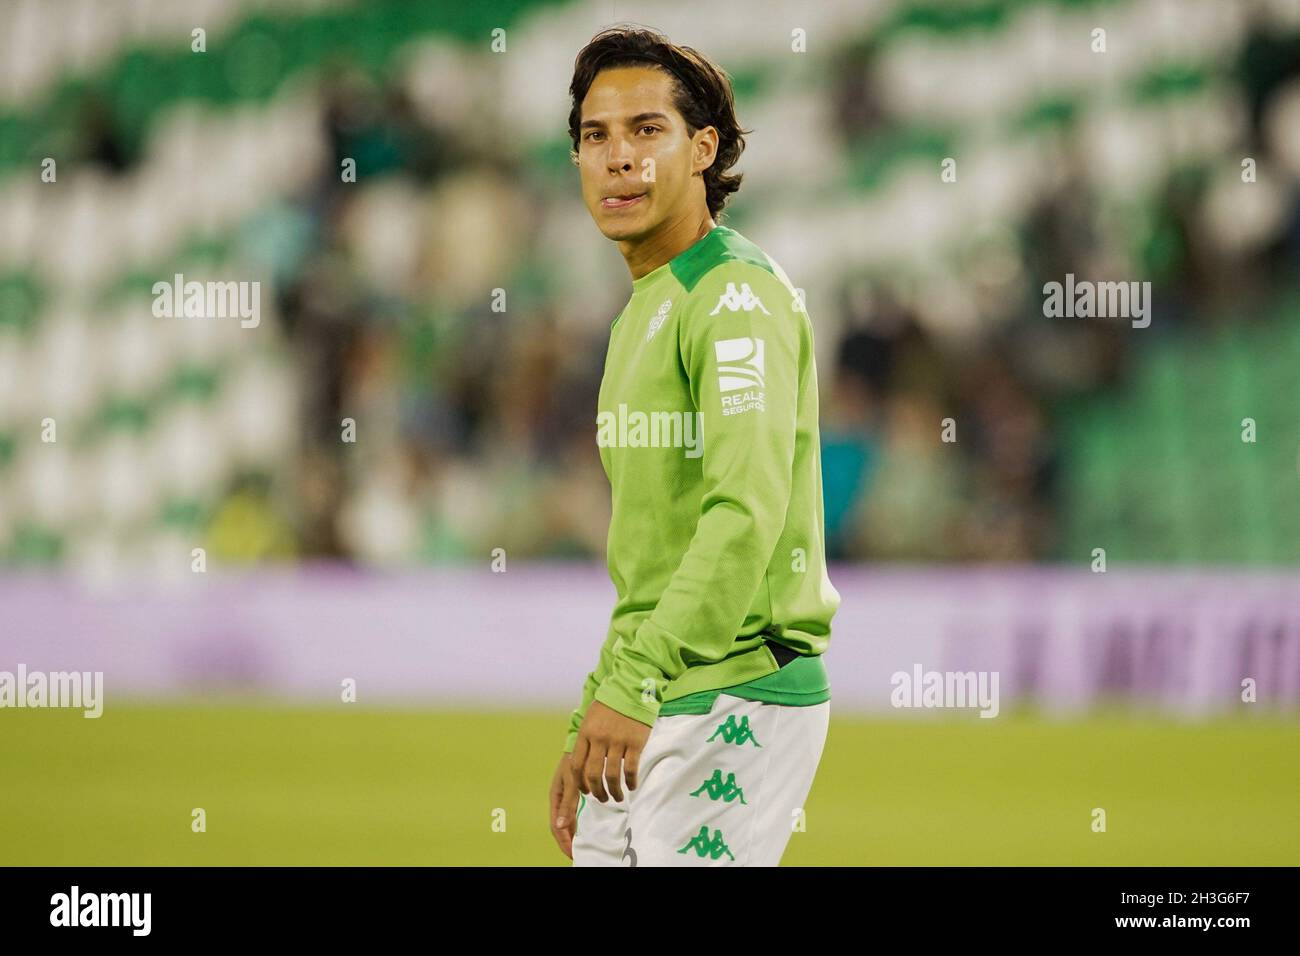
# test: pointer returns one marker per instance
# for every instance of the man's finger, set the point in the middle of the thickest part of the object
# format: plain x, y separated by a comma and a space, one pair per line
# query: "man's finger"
567, 820
631, 765
614, 772
579, 759
593, 770
567, 800
564, 831
553, 799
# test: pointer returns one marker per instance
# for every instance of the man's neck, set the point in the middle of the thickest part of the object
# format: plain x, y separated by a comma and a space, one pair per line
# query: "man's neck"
646, 255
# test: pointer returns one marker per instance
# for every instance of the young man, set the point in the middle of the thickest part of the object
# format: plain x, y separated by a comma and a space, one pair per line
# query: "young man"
710, 699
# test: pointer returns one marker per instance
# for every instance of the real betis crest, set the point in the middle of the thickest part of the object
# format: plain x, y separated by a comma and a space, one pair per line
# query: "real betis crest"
658, 319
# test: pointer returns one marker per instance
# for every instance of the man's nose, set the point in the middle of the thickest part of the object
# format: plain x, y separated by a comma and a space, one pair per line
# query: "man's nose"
619, 159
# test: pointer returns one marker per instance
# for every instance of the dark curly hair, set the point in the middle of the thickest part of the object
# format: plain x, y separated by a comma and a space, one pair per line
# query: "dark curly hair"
701, 93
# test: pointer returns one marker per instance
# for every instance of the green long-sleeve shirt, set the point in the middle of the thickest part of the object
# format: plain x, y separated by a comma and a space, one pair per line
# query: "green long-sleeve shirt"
707, 427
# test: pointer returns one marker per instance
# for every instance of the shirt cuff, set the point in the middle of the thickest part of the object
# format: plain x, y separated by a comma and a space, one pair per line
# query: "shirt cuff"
623, 694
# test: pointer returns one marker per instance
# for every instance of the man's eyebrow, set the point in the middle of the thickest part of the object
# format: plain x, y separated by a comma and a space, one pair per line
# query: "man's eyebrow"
633, 121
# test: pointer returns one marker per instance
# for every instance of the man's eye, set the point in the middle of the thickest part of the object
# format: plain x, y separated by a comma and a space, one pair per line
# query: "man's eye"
592, 133
653, 129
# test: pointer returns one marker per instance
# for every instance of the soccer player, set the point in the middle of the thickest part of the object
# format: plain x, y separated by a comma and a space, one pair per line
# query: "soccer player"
710, 700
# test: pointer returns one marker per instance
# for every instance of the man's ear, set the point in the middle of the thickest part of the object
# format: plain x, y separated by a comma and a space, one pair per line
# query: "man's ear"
705, 148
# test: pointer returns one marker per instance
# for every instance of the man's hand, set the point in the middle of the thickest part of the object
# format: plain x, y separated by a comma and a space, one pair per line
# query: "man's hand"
564, 804
606, 741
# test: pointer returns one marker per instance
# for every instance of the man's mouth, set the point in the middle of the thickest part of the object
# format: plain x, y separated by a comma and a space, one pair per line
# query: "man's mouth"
621, 202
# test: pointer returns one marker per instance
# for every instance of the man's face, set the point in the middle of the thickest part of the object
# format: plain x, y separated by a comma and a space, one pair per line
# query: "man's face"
634, 154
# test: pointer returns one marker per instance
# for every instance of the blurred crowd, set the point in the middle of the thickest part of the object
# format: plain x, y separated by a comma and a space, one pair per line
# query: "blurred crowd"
493, 413
941, 389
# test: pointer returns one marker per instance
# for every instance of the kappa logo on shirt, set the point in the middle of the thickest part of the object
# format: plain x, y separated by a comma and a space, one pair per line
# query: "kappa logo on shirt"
735, 301
658, 319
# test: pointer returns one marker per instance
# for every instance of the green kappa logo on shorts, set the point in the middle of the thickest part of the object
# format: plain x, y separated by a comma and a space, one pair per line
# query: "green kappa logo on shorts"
720, 789
733, 734
703, 846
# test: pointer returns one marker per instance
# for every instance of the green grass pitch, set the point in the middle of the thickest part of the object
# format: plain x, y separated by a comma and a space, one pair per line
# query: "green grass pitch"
417, 787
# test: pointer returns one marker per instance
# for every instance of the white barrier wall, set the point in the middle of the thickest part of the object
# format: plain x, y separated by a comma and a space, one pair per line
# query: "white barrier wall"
1177, 641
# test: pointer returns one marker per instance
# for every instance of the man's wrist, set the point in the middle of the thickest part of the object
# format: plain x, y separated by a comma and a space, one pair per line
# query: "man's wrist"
629, 702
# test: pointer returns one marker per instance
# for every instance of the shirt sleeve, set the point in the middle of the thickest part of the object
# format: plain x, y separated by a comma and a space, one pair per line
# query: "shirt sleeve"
743, 344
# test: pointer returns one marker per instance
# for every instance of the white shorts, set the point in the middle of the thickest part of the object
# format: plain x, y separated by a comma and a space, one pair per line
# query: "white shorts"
726, 788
